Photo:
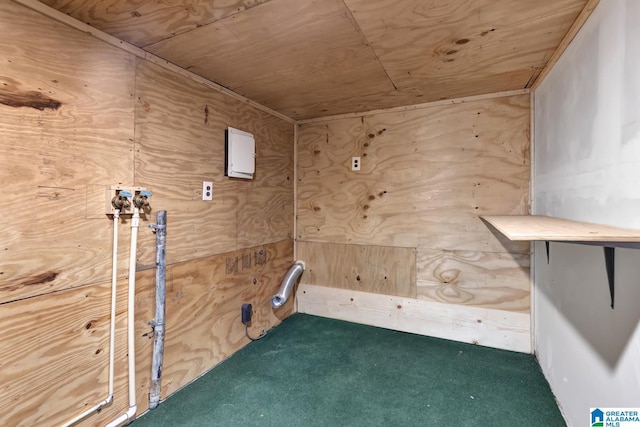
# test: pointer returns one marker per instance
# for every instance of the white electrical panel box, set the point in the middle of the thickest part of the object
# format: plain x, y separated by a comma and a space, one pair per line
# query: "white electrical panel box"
240, 154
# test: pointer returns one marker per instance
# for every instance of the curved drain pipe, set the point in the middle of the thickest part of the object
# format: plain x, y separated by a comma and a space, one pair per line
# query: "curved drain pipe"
131, 310
158, 324
288, 283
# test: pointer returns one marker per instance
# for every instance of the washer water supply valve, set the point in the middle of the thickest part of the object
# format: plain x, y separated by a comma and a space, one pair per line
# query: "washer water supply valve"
140, 200
121, 201
125, 198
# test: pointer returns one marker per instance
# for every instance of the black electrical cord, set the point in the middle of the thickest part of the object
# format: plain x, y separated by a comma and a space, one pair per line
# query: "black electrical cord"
246, 332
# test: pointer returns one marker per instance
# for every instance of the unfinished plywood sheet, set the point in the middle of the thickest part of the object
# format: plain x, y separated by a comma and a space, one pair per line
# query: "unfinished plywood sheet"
421, 170
309, 59
493, 328
500, 43
265, 209
179, 144
67, 107
180, 129
540, 227
482, 279
52, 377
374, 269
143, 23
203, 308
284, 53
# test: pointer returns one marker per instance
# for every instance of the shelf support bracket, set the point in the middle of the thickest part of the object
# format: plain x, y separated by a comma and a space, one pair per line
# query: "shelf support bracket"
546, 244
609, 260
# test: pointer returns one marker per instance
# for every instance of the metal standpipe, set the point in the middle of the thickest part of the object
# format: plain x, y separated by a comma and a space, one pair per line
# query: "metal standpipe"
158, 324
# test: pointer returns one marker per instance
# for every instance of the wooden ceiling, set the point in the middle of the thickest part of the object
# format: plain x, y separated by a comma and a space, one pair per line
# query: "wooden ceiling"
314, 58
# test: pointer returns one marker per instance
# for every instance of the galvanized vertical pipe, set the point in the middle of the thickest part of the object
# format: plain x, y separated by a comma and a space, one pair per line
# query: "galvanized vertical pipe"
158, 324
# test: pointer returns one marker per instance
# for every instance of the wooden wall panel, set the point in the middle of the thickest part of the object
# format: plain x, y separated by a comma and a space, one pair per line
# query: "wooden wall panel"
67, 344
143, 23
374, 269
180, 143
180, 128
69, 105
419, 169
426, 175
483, 279
204, 297
265, 209
54, 357
67, 123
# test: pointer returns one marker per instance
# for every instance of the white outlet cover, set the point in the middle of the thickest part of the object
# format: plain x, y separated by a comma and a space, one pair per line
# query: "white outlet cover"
207, 190
355, 163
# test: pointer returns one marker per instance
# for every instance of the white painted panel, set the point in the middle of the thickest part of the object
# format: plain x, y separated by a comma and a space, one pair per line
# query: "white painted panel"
587, 168
587, 123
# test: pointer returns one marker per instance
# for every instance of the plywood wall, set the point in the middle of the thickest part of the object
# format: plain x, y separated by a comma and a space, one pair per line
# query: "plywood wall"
425, 177
78, 115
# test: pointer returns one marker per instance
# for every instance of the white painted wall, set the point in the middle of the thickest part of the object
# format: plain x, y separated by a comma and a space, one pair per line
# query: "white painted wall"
587, 167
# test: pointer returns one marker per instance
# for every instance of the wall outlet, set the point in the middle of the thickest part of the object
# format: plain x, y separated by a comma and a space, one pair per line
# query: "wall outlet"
355, 163
245, 313
207, 190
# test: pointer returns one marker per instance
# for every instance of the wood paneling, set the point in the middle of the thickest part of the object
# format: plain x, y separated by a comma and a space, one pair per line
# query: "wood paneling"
375, 269
54, 357
492, 328
265, 209
180, 128
286, 53
204, 297
180, 143
143, 22
424, 178
464, 45
69, 105
483, 279
67, 123
311, 59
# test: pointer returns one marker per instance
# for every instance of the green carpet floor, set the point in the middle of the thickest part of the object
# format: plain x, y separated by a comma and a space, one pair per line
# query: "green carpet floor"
312, 371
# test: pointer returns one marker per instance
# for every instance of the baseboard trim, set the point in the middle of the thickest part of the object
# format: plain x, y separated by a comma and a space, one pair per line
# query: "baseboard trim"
487, 327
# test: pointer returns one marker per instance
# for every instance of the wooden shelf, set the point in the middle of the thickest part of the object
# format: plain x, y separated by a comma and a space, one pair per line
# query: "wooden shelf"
537, 227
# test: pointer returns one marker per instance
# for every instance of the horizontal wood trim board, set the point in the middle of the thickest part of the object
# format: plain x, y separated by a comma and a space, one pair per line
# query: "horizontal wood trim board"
566, 41
487, 327
141, 53
418, 106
